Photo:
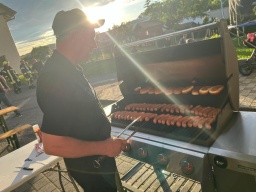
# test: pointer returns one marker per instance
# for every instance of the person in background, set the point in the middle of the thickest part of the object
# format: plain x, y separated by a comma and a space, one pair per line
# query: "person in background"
183, 39
36, 67
10, 74
190, 40
250, 42
4, 88
27, 74
74, 123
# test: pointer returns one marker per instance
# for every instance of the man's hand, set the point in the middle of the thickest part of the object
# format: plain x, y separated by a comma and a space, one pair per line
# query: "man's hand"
114, 146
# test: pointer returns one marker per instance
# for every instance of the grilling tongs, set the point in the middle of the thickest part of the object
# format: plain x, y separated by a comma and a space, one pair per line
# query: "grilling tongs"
96, 162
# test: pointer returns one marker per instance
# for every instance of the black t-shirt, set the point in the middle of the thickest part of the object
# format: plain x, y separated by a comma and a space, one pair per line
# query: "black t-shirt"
37, 66
71, 108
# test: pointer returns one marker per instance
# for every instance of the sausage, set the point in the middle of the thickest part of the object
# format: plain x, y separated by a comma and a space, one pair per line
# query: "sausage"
188, 109
178, 91
169, 120
137, 89
134, 115
161, 118
169, 91
195, 90
202, 122
192, 111
205, 112
164, 107
214, 113
144, 90
196, 120
157, 107
204, 90
180, 109
187, 90
208, 123
185, 121
143, 107
150, 116
115, 114
179, 121
167, 109
198, 109
121, 116
156, 118
133, 107
151, 91
216, 89
174, 120
125, 115
173, 108
137, 106
164, 120
129, 106
158, 91
200, 113
142, 116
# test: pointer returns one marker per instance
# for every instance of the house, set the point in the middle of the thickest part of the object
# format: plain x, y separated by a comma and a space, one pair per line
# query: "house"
147, 29
8, 49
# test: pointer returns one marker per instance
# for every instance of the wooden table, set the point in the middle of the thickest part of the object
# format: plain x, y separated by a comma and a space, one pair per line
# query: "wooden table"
13, 139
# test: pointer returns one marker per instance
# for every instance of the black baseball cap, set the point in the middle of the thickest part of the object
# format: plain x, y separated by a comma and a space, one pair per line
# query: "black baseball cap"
66, 21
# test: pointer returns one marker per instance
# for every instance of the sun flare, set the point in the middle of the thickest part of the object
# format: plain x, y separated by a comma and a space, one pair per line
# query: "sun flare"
111, 13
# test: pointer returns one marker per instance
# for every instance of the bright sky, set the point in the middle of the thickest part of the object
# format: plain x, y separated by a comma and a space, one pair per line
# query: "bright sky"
32, 24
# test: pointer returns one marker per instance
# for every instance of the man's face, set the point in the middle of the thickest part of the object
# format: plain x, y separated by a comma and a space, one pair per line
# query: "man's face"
86, 43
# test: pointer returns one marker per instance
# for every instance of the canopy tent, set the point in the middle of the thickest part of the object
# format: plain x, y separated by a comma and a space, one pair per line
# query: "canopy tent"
247, 24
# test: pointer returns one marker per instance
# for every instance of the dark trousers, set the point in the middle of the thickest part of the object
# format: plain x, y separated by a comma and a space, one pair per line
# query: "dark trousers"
95, 182
6, 101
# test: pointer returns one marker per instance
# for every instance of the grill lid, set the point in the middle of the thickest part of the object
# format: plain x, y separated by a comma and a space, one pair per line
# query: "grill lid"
203, 62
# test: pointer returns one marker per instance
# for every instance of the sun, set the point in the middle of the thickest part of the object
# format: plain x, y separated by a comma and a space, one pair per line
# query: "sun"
93, 13
111, 14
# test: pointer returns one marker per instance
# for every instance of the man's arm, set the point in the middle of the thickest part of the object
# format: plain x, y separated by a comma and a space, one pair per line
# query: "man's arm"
3, 84
69, 147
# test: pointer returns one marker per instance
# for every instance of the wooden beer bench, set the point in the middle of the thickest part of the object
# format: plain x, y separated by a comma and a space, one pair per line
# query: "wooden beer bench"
11, 136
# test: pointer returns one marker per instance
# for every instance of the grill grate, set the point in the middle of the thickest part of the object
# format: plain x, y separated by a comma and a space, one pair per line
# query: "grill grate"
192, 135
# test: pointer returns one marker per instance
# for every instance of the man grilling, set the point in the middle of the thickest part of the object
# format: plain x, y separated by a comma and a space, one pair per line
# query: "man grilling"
74, 124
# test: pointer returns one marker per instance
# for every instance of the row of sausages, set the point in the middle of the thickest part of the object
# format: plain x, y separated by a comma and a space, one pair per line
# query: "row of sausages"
194, 90
166, 119
197, 110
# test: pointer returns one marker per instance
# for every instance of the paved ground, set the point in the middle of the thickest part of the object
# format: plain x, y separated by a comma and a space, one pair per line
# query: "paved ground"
107, 89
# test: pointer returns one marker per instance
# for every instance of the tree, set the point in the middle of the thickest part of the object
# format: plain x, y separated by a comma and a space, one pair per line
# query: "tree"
122, 33
172, 12
147, 3
40, 52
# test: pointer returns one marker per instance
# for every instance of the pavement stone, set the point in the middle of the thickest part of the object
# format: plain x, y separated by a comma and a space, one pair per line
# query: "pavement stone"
106, 89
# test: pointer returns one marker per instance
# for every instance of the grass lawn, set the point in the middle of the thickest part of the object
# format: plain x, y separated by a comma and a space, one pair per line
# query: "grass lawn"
242, 51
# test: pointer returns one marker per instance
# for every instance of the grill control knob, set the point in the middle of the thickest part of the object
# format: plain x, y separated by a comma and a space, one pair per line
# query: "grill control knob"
162, 159
127, 148
187, 167
142, 153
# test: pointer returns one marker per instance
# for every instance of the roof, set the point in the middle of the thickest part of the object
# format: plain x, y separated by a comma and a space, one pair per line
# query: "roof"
148, 24
218, 13
7, 12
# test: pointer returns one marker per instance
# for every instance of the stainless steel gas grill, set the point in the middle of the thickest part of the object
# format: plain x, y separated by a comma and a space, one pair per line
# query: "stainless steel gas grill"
186, 96
194, 86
